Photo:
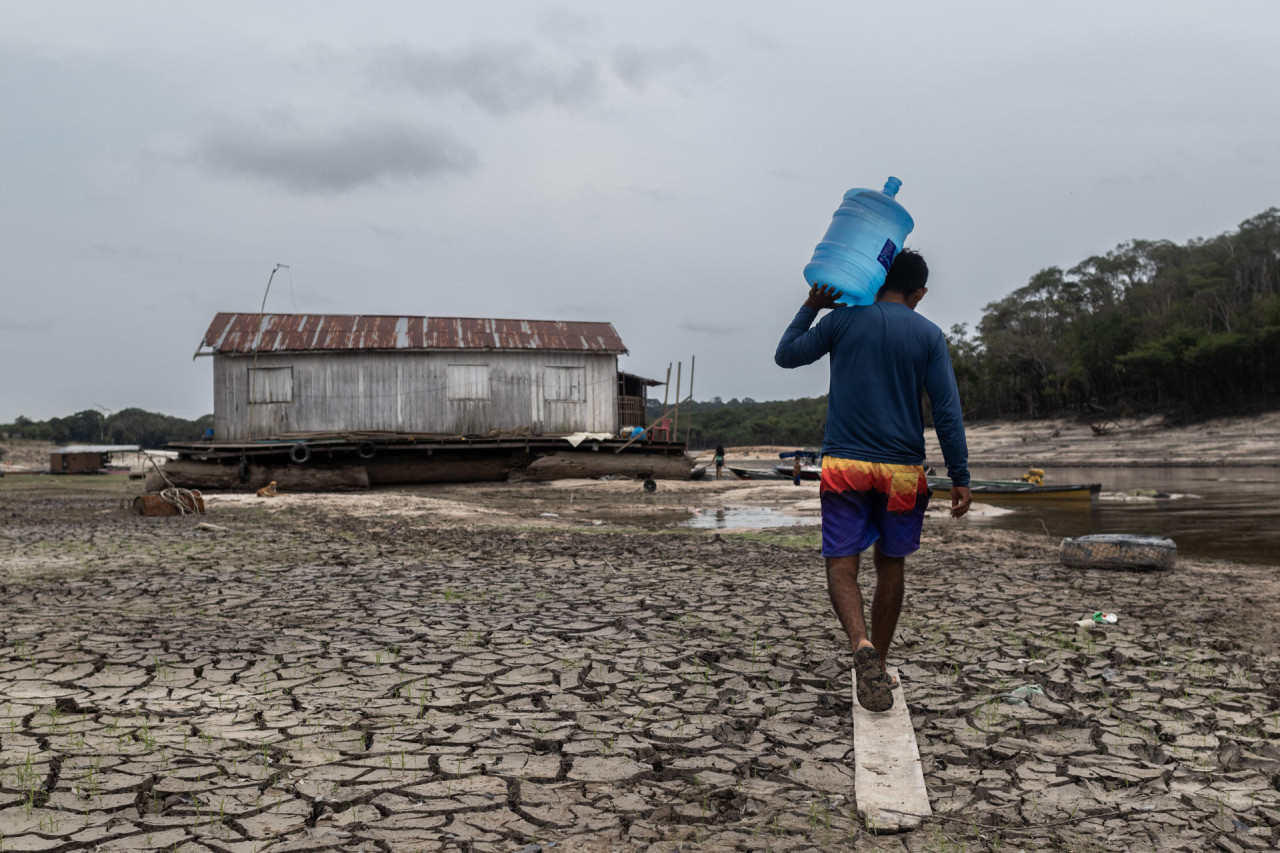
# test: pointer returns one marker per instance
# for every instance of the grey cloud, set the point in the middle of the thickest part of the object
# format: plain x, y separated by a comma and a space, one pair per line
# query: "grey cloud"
789, 175
638, 66
25, 325
1155, 175
500, 79
658, 195
760, 40
129, 252
603, 311
707, 328
563, 24
336, 160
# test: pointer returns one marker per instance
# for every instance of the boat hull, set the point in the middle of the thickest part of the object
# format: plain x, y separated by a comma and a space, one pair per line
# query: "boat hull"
808, 472
996, 490
755, 474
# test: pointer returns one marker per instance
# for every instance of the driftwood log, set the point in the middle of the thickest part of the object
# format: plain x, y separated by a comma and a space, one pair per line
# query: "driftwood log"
190, 474
565, 466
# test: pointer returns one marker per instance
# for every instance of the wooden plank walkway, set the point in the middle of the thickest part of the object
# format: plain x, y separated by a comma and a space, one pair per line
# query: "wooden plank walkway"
888, 781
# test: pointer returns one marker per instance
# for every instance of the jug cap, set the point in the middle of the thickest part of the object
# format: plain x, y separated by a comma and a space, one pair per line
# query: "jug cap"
891, 186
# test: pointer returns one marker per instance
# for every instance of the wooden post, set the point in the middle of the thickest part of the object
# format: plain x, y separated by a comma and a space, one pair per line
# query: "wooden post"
675, 425
693, 362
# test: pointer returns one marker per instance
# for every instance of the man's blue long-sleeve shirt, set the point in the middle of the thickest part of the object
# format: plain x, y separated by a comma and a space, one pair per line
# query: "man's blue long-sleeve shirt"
882, 356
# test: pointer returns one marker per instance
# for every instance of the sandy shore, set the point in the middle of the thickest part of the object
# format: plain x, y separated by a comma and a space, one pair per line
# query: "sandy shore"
485, 668
1070, 443
1125, 443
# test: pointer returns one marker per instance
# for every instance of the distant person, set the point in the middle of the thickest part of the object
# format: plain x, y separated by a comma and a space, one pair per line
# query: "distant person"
873, 487
719, 460
797, 468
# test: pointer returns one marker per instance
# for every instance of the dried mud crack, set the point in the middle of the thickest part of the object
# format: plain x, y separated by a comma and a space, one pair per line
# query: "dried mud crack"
313, 678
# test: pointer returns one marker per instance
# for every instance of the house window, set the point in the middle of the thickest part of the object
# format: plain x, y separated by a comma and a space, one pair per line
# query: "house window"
564, 384
468, 382
271, 384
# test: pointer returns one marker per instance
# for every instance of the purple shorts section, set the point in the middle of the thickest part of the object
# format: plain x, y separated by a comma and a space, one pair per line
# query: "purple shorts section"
853, 521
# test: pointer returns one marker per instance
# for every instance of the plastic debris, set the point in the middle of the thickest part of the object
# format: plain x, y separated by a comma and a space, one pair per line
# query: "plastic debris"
1022, 695
1109, 618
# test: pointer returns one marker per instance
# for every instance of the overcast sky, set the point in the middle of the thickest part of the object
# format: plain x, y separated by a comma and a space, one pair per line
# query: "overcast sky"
667, 167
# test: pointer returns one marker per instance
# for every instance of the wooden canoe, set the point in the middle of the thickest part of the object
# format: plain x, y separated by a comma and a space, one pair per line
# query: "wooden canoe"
755, 474
1016, 490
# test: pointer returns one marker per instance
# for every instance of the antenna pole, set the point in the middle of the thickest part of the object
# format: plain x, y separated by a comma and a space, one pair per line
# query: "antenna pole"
257, 342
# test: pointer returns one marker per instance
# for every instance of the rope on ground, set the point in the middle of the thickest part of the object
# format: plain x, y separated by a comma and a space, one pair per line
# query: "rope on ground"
183, 500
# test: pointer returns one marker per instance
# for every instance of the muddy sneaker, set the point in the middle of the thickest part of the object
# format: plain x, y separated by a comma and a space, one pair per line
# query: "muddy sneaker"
873, 687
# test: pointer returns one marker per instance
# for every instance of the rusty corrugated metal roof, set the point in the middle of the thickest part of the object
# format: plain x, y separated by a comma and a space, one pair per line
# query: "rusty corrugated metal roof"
247, 333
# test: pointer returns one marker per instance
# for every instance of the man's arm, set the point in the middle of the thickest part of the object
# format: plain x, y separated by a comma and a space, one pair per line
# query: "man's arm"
801, 345
948, 423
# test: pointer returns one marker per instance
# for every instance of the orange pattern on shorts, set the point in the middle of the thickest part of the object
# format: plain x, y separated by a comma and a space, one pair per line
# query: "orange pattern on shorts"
901, 484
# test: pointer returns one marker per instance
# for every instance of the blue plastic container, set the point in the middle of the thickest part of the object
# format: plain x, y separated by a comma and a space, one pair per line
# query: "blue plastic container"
866, 233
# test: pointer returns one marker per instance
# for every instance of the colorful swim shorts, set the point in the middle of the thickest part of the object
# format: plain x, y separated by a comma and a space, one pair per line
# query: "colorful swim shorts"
866, 502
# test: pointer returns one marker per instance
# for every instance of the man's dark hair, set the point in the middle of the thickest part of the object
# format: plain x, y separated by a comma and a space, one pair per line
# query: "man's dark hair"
907, 274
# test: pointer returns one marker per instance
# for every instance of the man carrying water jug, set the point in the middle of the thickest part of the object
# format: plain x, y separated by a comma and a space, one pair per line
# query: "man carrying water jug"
874, 490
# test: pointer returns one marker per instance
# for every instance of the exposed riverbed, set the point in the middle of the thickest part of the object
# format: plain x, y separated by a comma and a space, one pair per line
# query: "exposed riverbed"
494, 667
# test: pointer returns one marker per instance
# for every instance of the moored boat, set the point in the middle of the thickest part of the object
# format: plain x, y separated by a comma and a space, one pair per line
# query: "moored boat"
756, 474
810, 465
1020, 490
807, 472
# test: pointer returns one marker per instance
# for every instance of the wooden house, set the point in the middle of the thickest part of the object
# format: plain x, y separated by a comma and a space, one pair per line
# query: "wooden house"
298, 373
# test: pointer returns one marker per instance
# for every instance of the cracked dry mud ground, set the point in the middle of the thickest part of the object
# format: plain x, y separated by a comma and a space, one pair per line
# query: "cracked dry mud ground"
313, 678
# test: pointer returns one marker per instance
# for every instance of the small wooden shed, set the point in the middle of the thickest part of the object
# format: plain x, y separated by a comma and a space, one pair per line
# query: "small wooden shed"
85, 458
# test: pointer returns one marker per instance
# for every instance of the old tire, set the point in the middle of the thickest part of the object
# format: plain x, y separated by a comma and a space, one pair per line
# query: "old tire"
300, 453
1118, 551
650, 486
366, 450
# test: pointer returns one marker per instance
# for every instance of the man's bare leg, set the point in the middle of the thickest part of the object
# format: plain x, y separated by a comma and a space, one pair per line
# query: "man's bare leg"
846, 598
886, 604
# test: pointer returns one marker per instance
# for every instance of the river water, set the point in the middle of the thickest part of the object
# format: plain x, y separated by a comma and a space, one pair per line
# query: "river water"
1215, 513
1218, 513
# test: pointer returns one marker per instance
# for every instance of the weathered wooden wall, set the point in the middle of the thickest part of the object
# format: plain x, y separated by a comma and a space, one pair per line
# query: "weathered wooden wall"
74, 463
436, 392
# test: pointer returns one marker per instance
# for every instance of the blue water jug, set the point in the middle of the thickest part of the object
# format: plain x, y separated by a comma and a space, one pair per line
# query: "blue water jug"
865, 234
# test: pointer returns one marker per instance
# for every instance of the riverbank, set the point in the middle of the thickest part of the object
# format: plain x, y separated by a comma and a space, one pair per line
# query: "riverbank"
1150, 442
484, 668
1123, 443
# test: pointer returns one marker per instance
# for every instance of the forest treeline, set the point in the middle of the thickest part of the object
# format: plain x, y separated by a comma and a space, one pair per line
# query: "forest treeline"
1150, 326
1153, 326
127, 426
739, 423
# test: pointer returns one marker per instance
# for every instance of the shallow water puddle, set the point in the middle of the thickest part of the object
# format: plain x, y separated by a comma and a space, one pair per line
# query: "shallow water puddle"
747, 516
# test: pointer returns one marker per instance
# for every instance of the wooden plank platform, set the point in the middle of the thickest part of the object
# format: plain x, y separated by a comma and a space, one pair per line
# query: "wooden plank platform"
888, 780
